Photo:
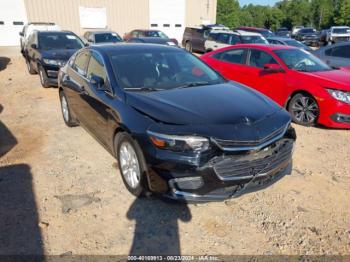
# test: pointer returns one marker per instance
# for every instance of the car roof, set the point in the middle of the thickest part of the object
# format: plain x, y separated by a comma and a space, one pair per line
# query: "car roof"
54, 31
252, 28
247, 33
100, 32
282, 39
122, 47
152, 39
344, 26
260, 46
224, 32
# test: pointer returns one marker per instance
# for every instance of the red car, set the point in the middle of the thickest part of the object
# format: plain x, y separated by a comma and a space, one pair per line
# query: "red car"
308, 88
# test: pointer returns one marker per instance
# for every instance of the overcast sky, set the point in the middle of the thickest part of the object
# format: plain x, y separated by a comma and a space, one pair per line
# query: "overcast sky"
257, 2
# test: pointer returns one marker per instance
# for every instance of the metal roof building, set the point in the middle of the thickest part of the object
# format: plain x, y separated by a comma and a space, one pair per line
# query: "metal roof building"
169, 16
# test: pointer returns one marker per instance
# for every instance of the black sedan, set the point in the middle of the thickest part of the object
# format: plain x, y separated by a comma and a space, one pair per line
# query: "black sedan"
47, 51
152, 40
176, 127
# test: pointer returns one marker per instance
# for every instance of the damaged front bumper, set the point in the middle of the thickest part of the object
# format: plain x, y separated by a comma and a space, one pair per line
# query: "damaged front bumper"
220, 175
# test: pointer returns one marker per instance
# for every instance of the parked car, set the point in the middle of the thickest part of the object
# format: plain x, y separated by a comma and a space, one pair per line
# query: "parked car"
336, 55
307, 36
102, 37
30, 27
148, 106
264, 32
194, 37
308, 88
148, 33
47, 51
152, 40
219, 39
283, 32
323, 37
338, 34
296, 29
288, 41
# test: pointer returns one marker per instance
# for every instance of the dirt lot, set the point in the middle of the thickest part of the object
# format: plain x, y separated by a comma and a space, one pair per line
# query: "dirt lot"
61, 192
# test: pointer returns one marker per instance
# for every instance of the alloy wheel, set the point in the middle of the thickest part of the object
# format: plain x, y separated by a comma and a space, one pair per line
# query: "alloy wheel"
65, 110
304, 110
129, 164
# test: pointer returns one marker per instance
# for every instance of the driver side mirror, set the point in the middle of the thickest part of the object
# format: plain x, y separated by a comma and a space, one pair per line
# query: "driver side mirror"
273, 68
21, 34
34, 46
98, 82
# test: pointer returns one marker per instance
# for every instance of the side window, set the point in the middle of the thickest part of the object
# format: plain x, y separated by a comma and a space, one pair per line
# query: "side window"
223, 38
80, 63
96, 67
339, 51
235, 56
135, 34
259, 58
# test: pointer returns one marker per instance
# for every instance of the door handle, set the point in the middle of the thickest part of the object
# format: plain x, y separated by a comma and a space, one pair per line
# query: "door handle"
82, 90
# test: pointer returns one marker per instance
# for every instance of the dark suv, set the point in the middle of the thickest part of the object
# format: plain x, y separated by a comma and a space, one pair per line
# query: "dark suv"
307, 36
47, 51
194, 37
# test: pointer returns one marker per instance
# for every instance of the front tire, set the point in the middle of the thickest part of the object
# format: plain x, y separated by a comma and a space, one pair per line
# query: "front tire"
304, 110
66, 113
43, 77
132, 164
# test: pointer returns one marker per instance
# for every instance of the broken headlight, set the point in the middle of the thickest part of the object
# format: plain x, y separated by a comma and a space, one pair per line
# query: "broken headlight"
179, 143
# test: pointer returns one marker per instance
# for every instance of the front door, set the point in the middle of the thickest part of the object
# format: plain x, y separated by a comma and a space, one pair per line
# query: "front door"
271, 84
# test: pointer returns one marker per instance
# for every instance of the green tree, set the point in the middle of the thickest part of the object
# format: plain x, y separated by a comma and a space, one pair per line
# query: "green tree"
228, 13
343, 14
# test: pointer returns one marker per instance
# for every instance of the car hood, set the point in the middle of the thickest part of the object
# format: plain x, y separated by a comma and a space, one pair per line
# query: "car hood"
222, 104
335, 79
58, 54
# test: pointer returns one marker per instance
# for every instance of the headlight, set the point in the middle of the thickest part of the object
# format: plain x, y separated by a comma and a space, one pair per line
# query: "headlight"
179, 143
340, 95
171, 43
54, 62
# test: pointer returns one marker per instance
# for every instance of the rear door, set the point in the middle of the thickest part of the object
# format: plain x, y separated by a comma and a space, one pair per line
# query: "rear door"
271, 84
76, 83
231, 64
94, 101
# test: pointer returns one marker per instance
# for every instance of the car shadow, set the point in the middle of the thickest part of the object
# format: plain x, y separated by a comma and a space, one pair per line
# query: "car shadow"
7, 139
156, 226
19, 225
4, 61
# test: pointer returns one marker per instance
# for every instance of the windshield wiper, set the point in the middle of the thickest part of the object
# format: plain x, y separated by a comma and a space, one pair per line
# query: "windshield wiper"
143, 89
193, 84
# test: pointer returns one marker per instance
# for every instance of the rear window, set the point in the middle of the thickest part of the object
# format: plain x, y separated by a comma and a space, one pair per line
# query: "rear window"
108, 38
50, 41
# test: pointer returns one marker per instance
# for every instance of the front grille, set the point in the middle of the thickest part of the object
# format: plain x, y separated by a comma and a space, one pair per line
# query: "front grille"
239, 143
244, 167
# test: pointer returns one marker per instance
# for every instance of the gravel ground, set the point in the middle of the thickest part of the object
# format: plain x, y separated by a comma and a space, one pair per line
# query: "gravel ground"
61, 192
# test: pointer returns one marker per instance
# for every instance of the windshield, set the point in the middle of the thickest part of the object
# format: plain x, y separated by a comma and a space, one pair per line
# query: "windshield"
300, 60
344, 30
295, 43
161, 70
266, 33
307, 31
107, 38
50, 41
253, 39
155, 34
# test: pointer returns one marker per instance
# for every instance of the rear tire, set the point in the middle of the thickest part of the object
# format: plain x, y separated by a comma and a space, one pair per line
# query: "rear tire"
66, 113
188, 47
131, 163
304, 110
43, 77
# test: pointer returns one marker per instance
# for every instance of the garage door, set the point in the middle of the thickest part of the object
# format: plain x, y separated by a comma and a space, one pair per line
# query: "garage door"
168, 16
12, 18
